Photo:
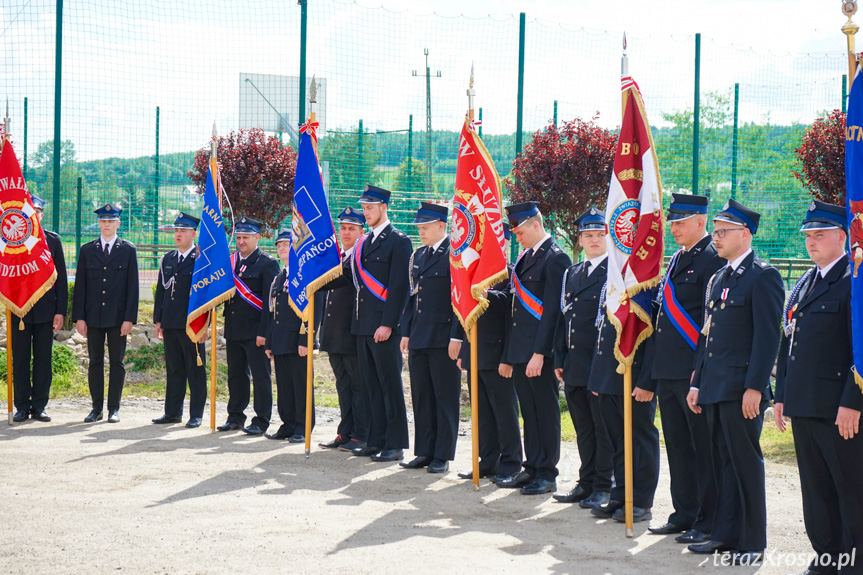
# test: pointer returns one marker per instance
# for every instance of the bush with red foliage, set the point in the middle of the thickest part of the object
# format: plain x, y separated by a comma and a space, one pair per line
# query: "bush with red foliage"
821, 158
257, 173
566, 170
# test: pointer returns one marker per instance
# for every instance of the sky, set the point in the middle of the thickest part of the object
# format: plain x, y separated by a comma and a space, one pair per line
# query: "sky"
125, 58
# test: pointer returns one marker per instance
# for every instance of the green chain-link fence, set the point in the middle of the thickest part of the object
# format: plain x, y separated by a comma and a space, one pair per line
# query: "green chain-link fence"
142, 82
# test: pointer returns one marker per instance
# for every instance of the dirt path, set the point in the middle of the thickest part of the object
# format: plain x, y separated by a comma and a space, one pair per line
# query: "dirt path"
140, 498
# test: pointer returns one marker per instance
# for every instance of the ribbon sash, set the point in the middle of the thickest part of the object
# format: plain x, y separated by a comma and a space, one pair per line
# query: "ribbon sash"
377, 288
682, 322
243, 290
531, 303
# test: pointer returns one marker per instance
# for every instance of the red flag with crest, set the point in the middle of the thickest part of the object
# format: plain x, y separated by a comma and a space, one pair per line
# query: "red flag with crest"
26, 267
477, 256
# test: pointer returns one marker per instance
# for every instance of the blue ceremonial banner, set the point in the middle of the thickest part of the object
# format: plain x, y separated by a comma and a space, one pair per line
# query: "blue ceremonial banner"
854, 208
314, 258
213, 278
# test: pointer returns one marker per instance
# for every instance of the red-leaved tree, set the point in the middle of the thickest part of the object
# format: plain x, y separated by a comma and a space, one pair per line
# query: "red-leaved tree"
821, 158
566, 169
257, 173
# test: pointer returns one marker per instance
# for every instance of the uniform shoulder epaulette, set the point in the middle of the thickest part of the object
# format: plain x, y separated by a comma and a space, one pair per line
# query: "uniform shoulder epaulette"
268, 256
400, 233
55, 235
556, 248
130, 244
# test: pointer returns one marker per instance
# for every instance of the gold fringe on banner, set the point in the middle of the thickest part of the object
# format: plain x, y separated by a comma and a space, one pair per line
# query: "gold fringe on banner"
312, 288
198, 337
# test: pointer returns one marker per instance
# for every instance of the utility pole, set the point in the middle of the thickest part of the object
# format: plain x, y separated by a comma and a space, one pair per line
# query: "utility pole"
429, 151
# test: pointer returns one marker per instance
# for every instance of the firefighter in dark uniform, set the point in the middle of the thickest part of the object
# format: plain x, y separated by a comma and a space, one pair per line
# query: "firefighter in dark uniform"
500, 455
816, 388
341, 345
530, 349
286, 345
731, 382
678, 321
40, 323
170, 308
575, 345
608, 385
105, 307
430, 337
246, 318
380, 274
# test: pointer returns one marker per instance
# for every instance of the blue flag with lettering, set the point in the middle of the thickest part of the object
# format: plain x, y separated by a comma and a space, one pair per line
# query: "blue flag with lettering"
213, 278
854, 208
314, 258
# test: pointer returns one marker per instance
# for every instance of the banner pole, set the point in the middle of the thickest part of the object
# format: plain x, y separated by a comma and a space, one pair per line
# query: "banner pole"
9, 390
213, 370
474, 405
310, 372
627, 446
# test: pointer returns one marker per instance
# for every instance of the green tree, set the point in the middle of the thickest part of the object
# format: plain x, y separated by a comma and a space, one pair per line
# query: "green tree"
44, 155
411, 176
353, 160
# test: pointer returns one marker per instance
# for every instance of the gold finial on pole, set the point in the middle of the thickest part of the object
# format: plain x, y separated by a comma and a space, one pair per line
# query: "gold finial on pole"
313, 98
849, 8
214, 142
6, 120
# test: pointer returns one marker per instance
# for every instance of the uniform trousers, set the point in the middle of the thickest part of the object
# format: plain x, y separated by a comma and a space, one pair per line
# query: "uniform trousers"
435, 393
540, 409
31, 394
594, 446
96, 337
291, 370
181, 366
245, 358
381, 370
352, 398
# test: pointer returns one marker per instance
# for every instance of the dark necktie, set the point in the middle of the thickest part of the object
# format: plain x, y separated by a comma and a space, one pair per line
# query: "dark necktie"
107, 250
179, 259
726, 275
239, 265
585, 271
814, 283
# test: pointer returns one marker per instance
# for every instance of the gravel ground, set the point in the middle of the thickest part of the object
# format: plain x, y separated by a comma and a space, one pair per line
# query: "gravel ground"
139, 498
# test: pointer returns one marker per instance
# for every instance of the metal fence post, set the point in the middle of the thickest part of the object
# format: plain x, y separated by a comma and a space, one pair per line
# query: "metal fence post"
78, 219
360, 167
25, 139
480, 122
555, 113
734, 146
696, 115
156, 186
520, 109
410, 153
58, 76
844, 94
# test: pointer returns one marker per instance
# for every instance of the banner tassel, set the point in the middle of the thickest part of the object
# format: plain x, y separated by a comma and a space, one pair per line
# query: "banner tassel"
20, 324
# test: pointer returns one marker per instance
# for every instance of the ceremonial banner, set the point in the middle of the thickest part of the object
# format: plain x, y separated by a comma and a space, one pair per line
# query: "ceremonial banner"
477, 245
26, 267
854, 207
634, 219
315, 257
213, 278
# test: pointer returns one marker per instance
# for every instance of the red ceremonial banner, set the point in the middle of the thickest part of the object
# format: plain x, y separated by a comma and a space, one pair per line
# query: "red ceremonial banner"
477, 245
26, 267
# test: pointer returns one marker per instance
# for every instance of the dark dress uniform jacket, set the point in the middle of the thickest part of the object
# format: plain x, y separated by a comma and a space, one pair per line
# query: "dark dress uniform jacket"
744, 335
429, 320
672, 356
336, 336
493, 326
171, 305
283, 333
576, 333
242, 321
813, 376
55, 300
542, 275
385, 259
106, 289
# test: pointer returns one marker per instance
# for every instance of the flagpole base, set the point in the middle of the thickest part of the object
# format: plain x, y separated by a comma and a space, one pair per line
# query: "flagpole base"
476, 487
10, 418
629, 533
308, 452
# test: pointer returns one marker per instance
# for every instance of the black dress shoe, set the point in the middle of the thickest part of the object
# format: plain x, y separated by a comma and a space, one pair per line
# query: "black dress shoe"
297, 438
711, 547
20, 416
93, 416
693, 536
482, 475
41, 416
638, 514
335, 443
438, 466
277, 435
366, 451
389, 455
194, 422
667, 529
168, 419
253, 430
113, 416
417, 462
497, 478
596, 499
574, 495
351, 445
607, 510
747, 558
520, 479
539, 486
229, 426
